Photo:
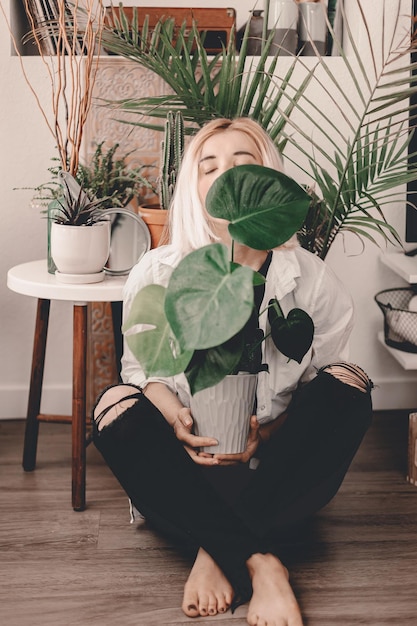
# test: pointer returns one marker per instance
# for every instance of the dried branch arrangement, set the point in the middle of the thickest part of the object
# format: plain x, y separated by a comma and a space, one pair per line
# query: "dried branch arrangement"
75, 32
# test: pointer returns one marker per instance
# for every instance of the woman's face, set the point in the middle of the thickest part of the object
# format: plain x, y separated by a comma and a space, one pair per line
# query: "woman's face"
221, 152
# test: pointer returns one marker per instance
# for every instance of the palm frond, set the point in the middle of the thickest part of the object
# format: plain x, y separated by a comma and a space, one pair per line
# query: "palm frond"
228, 84
368, 154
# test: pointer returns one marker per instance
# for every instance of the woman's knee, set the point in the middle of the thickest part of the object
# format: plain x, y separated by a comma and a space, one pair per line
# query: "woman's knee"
113, 403
349, 374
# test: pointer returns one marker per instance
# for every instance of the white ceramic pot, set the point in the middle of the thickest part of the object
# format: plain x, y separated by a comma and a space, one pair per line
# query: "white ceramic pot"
80, 250
224, 411
312, 27
283, 19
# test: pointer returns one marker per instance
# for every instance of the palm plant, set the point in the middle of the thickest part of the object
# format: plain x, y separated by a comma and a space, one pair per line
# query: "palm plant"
204, 86
358, 158
354, 161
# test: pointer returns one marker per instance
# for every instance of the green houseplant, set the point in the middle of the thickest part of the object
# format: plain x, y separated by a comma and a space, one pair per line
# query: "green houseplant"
106, 180
172, 149
80, 235
105, 175
197, 327
108, 175
205, 86
354, 160
194, 326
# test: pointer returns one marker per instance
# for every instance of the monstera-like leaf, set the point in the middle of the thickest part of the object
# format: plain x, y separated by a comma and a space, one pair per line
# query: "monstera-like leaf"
264, 207
292, 335
208, 299
155, 346
197, 324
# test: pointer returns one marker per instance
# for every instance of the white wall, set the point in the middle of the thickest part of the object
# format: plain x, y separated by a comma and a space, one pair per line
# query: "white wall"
25, 153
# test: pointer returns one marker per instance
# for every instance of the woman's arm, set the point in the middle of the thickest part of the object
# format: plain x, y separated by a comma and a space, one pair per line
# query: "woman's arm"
179, 418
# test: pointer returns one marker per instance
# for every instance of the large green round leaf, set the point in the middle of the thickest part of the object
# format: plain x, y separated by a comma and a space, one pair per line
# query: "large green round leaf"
208, 300
264, 207
156, 347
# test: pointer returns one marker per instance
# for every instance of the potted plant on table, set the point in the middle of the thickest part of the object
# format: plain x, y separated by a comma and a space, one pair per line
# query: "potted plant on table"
193, 325
105, 176
80, 235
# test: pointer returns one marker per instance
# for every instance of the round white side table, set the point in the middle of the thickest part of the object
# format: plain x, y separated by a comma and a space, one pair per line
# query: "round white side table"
33, 279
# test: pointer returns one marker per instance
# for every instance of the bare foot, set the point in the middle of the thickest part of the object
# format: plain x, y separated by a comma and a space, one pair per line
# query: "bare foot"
207, 590
273, 602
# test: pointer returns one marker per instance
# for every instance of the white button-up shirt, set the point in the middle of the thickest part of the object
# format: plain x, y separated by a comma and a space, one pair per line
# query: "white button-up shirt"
296, 278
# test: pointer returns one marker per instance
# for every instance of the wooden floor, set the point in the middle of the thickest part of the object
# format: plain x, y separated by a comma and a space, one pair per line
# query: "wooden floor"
357, 564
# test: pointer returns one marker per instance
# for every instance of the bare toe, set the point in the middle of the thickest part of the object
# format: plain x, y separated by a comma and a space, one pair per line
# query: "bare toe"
190, 608
212, 607
203, 604
207, 591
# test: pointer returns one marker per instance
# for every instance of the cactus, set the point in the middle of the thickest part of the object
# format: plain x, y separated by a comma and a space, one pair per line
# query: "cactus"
172, 151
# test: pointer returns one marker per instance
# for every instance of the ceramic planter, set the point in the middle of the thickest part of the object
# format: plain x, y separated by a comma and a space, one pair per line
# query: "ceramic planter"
224, 411
312, 28
80, 252
156, 220
283, 20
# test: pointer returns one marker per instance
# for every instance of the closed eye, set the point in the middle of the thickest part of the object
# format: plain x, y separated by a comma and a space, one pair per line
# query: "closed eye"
245, 160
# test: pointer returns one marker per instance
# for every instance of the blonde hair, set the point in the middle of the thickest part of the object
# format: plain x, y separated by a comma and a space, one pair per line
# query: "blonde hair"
188, 226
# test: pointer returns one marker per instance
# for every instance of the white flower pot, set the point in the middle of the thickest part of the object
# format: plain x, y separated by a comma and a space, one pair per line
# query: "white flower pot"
312, 27
224, 411
283, 19
80, 252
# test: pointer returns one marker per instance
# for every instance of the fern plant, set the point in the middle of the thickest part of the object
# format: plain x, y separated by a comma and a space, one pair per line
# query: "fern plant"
110, 176
105, 176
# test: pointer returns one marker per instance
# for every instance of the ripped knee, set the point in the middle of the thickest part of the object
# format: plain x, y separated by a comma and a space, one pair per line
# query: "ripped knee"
350, 374
113, 403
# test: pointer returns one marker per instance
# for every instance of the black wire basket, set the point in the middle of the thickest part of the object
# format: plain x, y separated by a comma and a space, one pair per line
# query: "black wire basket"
400, 324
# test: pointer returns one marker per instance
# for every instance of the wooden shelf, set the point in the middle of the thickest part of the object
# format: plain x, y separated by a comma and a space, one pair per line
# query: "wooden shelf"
408, 360
404, 266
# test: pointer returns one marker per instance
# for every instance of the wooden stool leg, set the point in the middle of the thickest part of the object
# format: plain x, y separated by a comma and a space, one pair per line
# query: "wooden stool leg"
79, 406
116, 309
35, 388
412, 449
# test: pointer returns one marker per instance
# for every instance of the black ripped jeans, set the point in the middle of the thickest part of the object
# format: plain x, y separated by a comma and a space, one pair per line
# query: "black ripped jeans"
301, 468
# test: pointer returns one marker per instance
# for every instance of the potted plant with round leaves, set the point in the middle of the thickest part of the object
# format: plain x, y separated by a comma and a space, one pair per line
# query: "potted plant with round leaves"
204, 323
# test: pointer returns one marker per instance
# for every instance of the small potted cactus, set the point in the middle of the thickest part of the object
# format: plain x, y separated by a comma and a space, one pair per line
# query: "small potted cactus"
172, 149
